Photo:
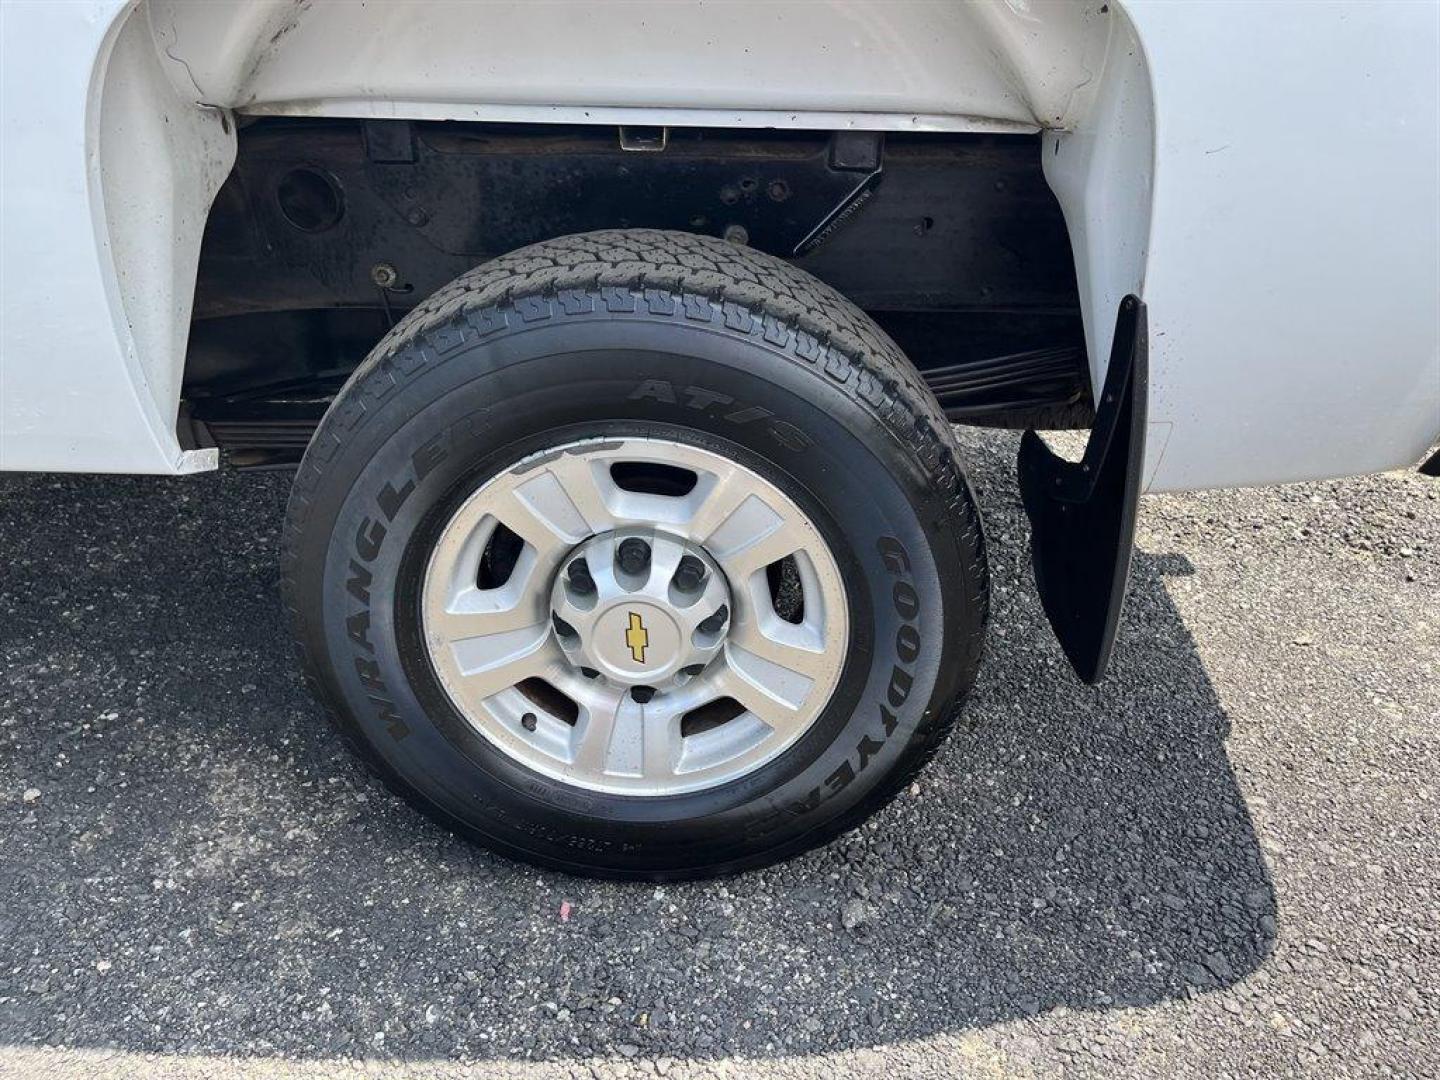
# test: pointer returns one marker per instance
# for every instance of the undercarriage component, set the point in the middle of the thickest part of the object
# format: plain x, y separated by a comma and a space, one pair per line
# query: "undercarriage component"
269, 427
860, 152
974, 391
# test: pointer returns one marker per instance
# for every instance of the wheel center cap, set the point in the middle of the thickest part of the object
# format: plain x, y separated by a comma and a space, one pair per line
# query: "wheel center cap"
636, 639
640, 607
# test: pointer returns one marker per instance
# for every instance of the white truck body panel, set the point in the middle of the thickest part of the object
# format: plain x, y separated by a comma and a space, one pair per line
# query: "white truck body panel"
1292, 276
85, 383
907, 64
1266, 177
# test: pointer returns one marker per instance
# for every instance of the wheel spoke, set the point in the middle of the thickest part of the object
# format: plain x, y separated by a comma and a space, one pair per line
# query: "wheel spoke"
721, 496
782, 644
618, 736
471, 612
489, 663
557, 504
578, 481
759, 548
773, 693
594, 729
455, 626
534, 515
662, 742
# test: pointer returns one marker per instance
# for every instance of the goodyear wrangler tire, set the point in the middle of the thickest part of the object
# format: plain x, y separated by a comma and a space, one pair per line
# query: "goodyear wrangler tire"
638, 554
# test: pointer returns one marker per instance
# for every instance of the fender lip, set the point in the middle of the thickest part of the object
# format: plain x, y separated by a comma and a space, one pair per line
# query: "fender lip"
1082, 514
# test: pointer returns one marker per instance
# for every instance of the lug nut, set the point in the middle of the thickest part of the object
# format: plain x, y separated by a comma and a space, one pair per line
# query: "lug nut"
580, 579
689, 574
716, 622
634, 555
691, 670
563, 628
642, 694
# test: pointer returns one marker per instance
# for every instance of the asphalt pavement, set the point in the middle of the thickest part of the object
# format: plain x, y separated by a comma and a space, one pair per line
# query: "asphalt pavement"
1224, 861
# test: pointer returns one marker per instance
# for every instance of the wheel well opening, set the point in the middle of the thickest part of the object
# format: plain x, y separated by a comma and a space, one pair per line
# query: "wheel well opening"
328, 231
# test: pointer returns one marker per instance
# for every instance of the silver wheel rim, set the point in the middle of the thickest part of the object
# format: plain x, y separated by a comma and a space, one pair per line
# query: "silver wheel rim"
643, 686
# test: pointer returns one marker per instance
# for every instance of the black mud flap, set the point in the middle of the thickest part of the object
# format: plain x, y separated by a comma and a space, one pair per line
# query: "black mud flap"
1082, 515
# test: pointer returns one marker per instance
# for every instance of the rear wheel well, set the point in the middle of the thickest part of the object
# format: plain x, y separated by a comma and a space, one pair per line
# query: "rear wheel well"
329, 231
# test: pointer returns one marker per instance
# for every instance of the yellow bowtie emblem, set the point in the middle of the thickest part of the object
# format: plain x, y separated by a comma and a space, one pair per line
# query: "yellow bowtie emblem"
637, 638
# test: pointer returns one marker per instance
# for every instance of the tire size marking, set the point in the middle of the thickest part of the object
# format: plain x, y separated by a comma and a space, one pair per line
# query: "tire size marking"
907, 643
368, 541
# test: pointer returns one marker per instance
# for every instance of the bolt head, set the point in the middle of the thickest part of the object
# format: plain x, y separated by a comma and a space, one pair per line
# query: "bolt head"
716, 621
689, 574
634, 555
580, 579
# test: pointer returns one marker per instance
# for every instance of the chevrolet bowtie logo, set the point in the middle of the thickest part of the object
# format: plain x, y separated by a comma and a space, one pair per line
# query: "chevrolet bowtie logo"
637, 638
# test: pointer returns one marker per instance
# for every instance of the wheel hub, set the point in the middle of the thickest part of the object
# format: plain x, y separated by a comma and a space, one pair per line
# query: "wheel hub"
640, 607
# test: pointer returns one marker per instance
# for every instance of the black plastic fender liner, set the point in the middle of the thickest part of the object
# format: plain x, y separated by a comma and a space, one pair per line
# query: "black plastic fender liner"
1082, 514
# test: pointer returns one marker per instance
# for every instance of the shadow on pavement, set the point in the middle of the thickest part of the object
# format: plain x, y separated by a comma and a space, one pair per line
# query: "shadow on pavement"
189, 861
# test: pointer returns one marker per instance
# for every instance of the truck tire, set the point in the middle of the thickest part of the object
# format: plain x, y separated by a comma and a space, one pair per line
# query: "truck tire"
638, 554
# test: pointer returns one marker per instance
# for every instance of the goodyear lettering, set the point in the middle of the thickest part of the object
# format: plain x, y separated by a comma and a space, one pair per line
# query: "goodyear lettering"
907, 643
